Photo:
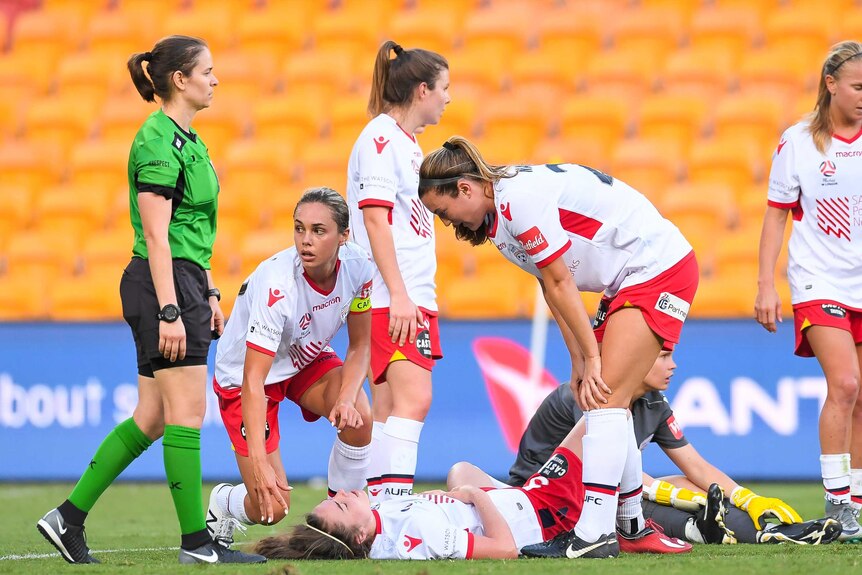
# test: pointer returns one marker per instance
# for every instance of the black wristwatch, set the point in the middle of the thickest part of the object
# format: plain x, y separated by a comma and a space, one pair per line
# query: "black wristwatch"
213, 292
170, 313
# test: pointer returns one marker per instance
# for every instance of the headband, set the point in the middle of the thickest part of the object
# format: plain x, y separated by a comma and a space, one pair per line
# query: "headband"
333, 537
437, 182
841, 63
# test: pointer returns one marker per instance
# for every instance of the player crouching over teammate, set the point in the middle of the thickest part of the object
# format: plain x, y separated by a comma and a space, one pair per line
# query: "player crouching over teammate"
276, 346
466, 522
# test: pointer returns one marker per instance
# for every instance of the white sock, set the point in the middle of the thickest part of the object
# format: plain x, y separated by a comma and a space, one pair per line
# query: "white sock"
605, 452
630, 516
856, 489
235, 503
400, 444
692, 533
376, 464
348, 466
835, 470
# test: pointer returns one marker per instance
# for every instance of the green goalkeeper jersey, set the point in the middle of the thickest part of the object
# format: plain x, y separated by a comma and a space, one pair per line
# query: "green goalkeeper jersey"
175, 164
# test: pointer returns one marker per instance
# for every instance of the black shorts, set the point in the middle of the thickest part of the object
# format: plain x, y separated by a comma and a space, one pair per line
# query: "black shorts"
140, 307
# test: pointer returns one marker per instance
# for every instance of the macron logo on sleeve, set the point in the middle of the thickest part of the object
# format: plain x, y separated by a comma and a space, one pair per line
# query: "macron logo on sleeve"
380, 143
411, 543
274, 296
532, 241
780, 145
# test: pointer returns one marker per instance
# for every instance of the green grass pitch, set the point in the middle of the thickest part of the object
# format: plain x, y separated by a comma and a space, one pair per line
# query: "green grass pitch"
133, 530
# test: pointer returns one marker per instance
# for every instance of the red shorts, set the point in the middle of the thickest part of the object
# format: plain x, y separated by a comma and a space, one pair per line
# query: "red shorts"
557, 493
423, 352
230, 401
663, 300
827, 313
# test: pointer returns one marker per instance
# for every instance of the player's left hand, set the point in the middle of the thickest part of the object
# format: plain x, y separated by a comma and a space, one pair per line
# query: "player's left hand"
344, 414
760, 508
217, 320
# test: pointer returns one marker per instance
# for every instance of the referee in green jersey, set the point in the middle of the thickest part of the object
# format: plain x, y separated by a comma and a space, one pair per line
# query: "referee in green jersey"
169, 301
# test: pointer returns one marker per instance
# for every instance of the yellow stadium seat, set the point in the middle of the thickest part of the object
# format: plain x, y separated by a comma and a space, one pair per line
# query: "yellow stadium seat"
411, 27
849, 26
730, 30
723, 297
71, 211
684, 9
802, 34
318, 76
43, 257
496, 151
86, 298
100, 165
348, 117
29, 165
274, 31
700, 73
289, 118
472, 74
751, 203
545, 76
728, 162
231, 283
472, 298
88, 76
207, 22
106, 252
498, 31
283, 204
122, 116
602, 119
577, 34
254, 169
459, 118
736, 255
15, 211
20, 300
761, 8
506, 118
776, 74
260, 245
225, 259
674, 118
42, 35
222, 124
622, 75
338, 34
117, 33
652, 33
752, 118
585, 151
244, 77
324, 170
60, 121
20, 70
647, 166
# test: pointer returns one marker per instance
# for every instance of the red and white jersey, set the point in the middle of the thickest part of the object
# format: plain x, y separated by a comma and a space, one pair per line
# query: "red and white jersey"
428, 526
282, 313
384, 171
825, 197
609, 235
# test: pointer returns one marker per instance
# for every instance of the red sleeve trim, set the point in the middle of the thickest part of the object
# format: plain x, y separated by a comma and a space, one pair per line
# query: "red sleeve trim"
470, 544
260, 349
375, 202
783, 206
547, 261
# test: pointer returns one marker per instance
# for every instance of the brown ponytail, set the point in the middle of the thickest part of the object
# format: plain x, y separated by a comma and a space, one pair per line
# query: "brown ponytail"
394, 80
169, 55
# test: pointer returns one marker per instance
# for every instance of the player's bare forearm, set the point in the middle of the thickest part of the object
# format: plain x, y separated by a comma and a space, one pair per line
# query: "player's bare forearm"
358, 356
698, 470
568, 337
382, 243
497, 542
562, 292
771, 239
254, 374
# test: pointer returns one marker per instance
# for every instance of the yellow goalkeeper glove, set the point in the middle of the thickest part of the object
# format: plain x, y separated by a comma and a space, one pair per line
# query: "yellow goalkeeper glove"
665, 493
759, 507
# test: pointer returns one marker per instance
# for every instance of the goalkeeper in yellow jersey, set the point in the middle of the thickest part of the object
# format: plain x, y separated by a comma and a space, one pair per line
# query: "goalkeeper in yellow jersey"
684, 506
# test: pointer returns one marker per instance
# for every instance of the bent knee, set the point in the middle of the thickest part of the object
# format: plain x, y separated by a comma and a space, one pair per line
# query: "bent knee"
843, 389
459, 474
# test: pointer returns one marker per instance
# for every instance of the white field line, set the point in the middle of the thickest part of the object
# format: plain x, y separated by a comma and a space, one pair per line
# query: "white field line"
93, 551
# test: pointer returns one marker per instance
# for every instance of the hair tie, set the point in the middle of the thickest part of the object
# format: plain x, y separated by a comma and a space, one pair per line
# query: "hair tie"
397, 49
450, 146
333, 537
147, 56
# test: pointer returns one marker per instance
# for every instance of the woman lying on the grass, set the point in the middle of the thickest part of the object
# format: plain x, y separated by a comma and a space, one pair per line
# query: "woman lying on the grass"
465, 523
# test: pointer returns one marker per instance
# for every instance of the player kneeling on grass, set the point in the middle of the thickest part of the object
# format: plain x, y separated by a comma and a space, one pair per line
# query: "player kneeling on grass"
466, 522
276, 346
683, 506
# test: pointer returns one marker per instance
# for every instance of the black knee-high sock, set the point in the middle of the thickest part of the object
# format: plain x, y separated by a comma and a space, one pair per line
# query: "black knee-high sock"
672, 520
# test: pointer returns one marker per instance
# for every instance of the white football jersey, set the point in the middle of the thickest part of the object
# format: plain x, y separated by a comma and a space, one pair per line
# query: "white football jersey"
825, 197
282, 313
384, 171
609, 235
429, 526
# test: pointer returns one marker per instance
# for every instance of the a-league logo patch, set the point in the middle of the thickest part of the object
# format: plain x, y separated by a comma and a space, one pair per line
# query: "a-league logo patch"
423, 343
601, 313
556, 467
242, 430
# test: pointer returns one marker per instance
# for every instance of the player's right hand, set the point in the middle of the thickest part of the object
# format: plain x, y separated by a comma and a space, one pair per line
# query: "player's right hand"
767, 309
404, 319
172, 340
268, 487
